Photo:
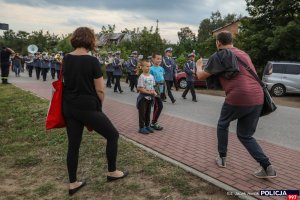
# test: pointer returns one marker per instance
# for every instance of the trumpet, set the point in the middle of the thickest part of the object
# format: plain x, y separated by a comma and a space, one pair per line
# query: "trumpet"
58, 58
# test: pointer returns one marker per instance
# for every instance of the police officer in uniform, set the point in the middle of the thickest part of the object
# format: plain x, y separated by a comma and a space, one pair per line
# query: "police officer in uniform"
44, 66
190, 70
133, 66
169, 65
29, 64
117, 73
52, 65
127, 66
5, 63
37, 65
109, 69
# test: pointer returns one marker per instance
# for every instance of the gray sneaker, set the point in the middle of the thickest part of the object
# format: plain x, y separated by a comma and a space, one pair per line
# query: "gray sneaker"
221, 161
269, 173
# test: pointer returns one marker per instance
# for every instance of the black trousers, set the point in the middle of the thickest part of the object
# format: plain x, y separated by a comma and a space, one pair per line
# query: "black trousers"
133, 81
44, 73
190, 86
75, 121
118, 84
38, 72
144, 108
112, 77
52, 73
4, 72
58, 74
168, 87
30, 68
127, 77
108, 82
247, 119
158, 106
175, 84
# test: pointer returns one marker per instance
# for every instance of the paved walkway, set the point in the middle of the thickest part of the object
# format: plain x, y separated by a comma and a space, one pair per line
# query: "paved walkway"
194, 144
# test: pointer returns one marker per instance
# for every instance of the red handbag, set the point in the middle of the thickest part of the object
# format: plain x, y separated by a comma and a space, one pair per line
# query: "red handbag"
55, 118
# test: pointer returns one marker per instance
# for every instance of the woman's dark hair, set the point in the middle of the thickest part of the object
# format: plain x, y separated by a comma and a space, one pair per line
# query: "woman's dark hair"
83, 37
225, 38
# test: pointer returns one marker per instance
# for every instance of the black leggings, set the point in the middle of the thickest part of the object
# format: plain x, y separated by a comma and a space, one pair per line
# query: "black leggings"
98, 121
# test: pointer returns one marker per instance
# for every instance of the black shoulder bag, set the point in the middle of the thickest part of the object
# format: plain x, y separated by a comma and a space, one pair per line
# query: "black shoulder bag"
269, 105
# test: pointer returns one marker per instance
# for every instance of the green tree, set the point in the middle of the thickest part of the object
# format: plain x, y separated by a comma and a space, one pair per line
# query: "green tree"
187, 41
215, 21
145, 42
272, 32
64, 44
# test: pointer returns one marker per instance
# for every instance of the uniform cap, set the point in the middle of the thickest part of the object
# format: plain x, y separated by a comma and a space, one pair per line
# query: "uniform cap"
170, 49
191, 54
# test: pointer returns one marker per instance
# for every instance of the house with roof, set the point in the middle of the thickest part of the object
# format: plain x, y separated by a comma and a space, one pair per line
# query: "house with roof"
232, 27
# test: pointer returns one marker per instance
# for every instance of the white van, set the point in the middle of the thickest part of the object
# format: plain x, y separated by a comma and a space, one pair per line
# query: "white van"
282, 77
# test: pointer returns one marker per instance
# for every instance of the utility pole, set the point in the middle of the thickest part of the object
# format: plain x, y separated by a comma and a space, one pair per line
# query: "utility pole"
156, 36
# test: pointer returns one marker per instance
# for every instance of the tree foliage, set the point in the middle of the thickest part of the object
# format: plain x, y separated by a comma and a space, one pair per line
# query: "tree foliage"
187, 40
272, 32
19, 41
215, 21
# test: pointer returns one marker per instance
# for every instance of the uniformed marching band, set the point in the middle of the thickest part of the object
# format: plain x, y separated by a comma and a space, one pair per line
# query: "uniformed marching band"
115, 68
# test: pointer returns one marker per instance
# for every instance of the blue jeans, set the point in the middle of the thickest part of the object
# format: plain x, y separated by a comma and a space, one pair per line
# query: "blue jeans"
247, 119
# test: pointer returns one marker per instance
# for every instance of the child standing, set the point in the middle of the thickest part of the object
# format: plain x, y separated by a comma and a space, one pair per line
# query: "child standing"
158, 72
146, 88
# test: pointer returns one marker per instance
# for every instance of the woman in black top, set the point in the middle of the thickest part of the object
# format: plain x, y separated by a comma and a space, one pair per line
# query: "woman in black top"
83, 97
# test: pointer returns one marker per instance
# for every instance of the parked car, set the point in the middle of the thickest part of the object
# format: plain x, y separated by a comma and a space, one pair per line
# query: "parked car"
282, 77
181, 79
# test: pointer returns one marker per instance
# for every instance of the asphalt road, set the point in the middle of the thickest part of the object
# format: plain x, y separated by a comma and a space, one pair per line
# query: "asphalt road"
281, 127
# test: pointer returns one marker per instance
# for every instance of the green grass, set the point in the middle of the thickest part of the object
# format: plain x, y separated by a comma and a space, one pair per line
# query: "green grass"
28, 161
33, 161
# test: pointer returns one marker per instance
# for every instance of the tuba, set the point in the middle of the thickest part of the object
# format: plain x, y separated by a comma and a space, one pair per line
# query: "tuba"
32, 48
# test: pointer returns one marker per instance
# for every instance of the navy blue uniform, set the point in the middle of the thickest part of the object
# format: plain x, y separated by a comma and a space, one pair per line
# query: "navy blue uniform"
169, 66
117, 73
133, 73
190, 70
44, 67
37, 65
109, 71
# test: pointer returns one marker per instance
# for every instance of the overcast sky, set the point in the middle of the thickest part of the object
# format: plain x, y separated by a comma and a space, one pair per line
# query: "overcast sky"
63, 16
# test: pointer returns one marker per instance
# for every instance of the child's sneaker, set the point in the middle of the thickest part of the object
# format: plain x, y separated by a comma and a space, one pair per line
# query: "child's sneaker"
156, 126
143, 131
149, 129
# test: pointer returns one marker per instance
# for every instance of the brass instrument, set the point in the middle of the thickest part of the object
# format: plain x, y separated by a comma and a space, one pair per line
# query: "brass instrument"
58, 58
32, 48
